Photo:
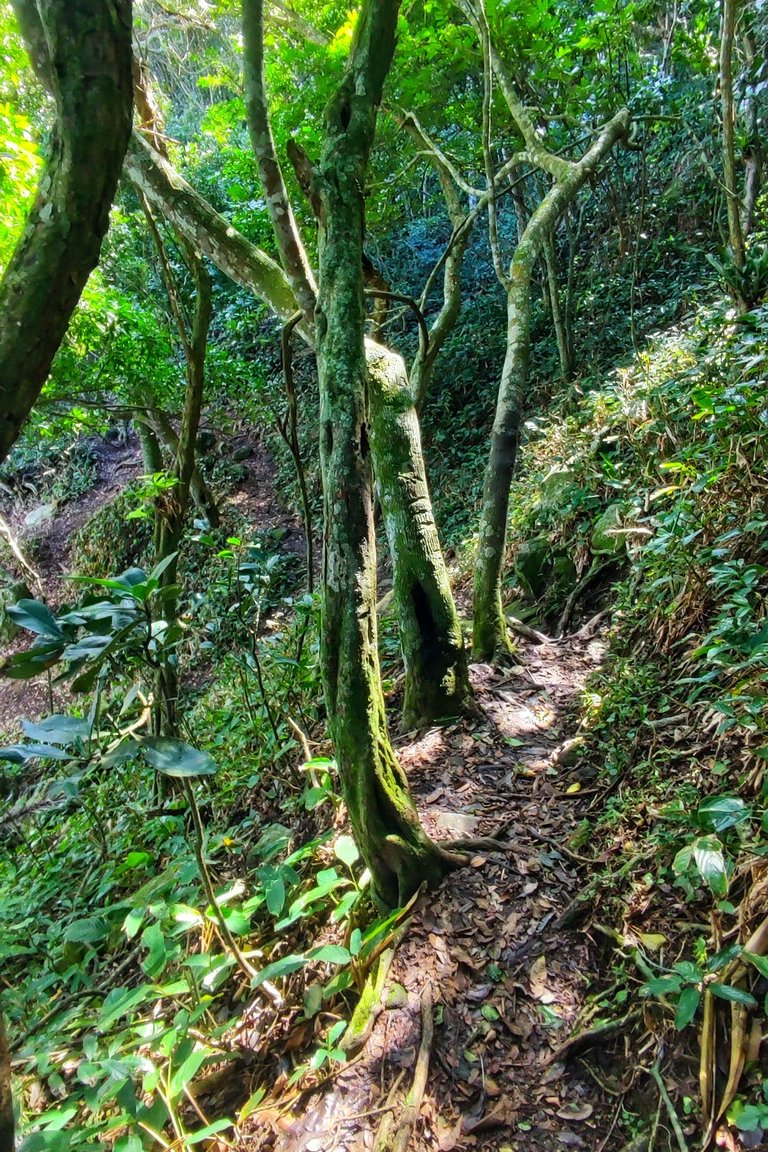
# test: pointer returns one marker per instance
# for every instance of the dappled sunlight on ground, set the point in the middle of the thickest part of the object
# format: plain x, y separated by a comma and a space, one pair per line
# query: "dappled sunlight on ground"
496, 949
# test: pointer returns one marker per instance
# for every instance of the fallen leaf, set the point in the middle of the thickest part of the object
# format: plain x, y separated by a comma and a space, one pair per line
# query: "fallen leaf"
537, 978
575, 787
652, 940
575, 1111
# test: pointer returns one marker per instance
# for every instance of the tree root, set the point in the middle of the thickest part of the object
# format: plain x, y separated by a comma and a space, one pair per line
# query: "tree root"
582, 1041
395, 1136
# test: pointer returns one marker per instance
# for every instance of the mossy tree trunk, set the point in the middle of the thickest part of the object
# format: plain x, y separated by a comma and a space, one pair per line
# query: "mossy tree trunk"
396, 849
82, 51
728, 112
435, 658
6, 1095
489, 637
436, 691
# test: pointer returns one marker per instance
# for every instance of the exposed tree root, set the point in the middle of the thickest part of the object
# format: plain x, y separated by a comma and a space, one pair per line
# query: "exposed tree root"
395, 1136
582, 1041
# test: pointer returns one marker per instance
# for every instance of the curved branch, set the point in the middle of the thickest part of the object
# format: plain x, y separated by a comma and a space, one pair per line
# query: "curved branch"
293, 256
397, 298
212, 235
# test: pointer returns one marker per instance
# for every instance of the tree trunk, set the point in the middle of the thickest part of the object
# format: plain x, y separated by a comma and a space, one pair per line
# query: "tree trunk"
151, 453
555, 303
199, 490
171, 508
489, 635
397, 851
6, 1095
82, 50
436, 672
489, 630
728, 110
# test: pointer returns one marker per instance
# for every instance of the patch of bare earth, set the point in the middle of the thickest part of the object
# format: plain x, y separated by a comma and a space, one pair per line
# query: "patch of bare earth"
493, 974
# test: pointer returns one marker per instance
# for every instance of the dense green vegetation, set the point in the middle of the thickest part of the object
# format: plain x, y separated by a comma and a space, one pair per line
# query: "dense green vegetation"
485, 324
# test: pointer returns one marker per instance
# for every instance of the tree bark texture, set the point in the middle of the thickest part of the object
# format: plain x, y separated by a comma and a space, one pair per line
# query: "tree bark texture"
398, 853
6, 1096
82, 48
192, 216
292, 253
436, 672
489, 635
728, 111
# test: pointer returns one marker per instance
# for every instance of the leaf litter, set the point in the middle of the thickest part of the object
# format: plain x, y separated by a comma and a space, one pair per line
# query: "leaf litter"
497, 951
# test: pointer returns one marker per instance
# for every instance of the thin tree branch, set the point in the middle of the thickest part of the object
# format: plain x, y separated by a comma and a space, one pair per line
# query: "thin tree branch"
292, 252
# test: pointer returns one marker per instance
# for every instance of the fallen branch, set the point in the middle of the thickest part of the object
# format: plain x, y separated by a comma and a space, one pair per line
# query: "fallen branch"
527, 632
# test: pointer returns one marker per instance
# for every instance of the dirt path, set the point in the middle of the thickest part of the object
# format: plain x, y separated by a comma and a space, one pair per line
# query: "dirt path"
497, 949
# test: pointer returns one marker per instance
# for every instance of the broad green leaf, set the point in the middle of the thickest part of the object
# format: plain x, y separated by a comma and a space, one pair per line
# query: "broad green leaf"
336, 1032
330, 954
274, 890
133, 922
720, 812
346, 850
175, 757
90, 930
686, 1007
57, 729
736, 995
710, 861
19, 753
121, 754
760, 962
158, 570
35, 617
154, 941
187, 1072
119, 1002
662, 986
129, 1143
290, 963
40, 657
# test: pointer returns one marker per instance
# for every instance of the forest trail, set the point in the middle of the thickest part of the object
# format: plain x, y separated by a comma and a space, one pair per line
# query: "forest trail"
495, 950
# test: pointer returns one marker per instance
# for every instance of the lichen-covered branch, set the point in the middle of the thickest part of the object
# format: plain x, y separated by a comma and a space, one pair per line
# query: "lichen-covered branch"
489, 627
192, 215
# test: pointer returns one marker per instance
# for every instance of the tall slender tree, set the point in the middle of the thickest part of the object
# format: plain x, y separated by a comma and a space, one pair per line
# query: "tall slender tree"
489, 636
394, 846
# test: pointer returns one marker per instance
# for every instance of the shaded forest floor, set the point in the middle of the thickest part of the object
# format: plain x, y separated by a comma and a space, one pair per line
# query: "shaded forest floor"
503, 958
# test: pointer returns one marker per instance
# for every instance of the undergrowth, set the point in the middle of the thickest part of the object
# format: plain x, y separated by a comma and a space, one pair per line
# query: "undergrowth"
674, 726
